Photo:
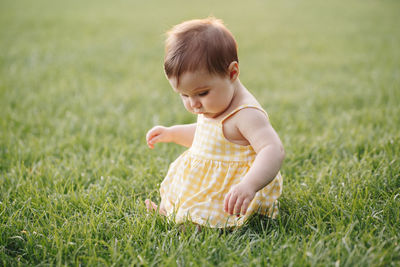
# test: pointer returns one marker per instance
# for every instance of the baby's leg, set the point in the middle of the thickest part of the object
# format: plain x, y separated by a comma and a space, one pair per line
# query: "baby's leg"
151, 207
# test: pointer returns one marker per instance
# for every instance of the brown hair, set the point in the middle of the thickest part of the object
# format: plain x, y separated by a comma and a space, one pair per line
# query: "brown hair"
199, 44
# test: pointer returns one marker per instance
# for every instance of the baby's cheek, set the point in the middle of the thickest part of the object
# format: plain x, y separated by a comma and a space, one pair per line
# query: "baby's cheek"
187, 106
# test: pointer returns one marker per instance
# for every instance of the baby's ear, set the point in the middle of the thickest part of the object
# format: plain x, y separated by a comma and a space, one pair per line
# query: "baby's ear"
233, 70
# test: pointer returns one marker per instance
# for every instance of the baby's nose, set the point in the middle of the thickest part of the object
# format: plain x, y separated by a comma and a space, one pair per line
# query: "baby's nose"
195, 103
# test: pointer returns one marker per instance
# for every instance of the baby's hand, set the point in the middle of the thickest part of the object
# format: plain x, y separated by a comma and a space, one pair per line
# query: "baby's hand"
158, 134
238, 198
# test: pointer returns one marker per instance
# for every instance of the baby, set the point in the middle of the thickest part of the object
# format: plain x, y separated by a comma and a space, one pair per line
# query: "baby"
231, 169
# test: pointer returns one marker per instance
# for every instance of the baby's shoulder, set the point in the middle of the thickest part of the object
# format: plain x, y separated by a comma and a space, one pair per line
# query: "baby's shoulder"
247, 115
251, 114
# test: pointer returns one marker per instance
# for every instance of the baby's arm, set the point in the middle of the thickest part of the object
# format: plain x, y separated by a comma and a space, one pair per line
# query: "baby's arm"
255, 127
180, 134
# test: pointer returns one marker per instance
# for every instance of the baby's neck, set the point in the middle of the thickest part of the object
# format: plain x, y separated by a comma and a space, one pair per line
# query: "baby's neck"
240, 91
242, 96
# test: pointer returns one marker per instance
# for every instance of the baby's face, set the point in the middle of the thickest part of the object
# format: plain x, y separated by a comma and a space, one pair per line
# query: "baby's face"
204, 93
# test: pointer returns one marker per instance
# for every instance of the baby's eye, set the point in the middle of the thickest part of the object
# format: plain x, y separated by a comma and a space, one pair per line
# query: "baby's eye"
203, 93
184, 95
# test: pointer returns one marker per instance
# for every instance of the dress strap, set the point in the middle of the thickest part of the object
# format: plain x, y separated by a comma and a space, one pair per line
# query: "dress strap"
233, 112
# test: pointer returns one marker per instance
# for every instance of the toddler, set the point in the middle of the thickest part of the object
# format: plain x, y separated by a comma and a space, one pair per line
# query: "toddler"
231, 169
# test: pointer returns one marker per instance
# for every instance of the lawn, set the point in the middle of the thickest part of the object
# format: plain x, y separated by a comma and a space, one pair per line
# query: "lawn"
82, 81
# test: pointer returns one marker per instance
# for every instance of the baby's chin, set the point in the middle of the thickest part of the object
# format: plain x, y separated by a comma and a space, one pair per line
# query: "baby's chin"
196, 112
202, 112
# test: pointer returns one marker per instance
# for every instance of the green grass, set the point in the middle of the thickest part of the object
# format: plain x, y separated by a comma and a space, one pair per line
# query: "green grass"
81, 82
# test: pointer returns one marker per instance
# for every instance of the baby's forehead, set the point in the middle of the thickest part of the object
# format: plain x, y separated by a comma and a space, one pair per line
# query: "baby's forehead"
193, 80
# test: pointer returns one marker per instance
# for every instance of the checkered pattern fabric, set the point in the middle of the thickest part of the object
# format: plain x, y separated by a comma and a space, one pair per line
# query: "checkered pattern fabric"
198, 180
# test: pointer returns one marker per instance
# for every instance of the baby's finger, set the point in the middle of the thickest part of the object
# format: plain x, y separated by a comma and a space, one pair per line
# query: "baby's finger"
150, 143
226, 202
245, 206
153, 140
150, 135
231, 203
238, 205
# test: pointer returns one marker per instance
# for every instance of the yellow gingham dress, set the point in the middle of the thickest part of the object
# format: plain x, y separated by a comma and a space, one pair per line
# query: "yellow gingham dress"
198, 180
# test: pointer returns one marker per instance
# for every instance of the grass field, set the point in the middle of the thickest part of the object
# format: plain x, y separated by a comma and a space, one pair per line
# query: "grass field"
81, 82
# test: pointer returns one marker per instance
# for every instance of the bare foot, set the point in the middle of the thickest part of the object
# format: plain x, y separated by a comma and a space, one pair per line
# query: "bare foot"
152, 207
